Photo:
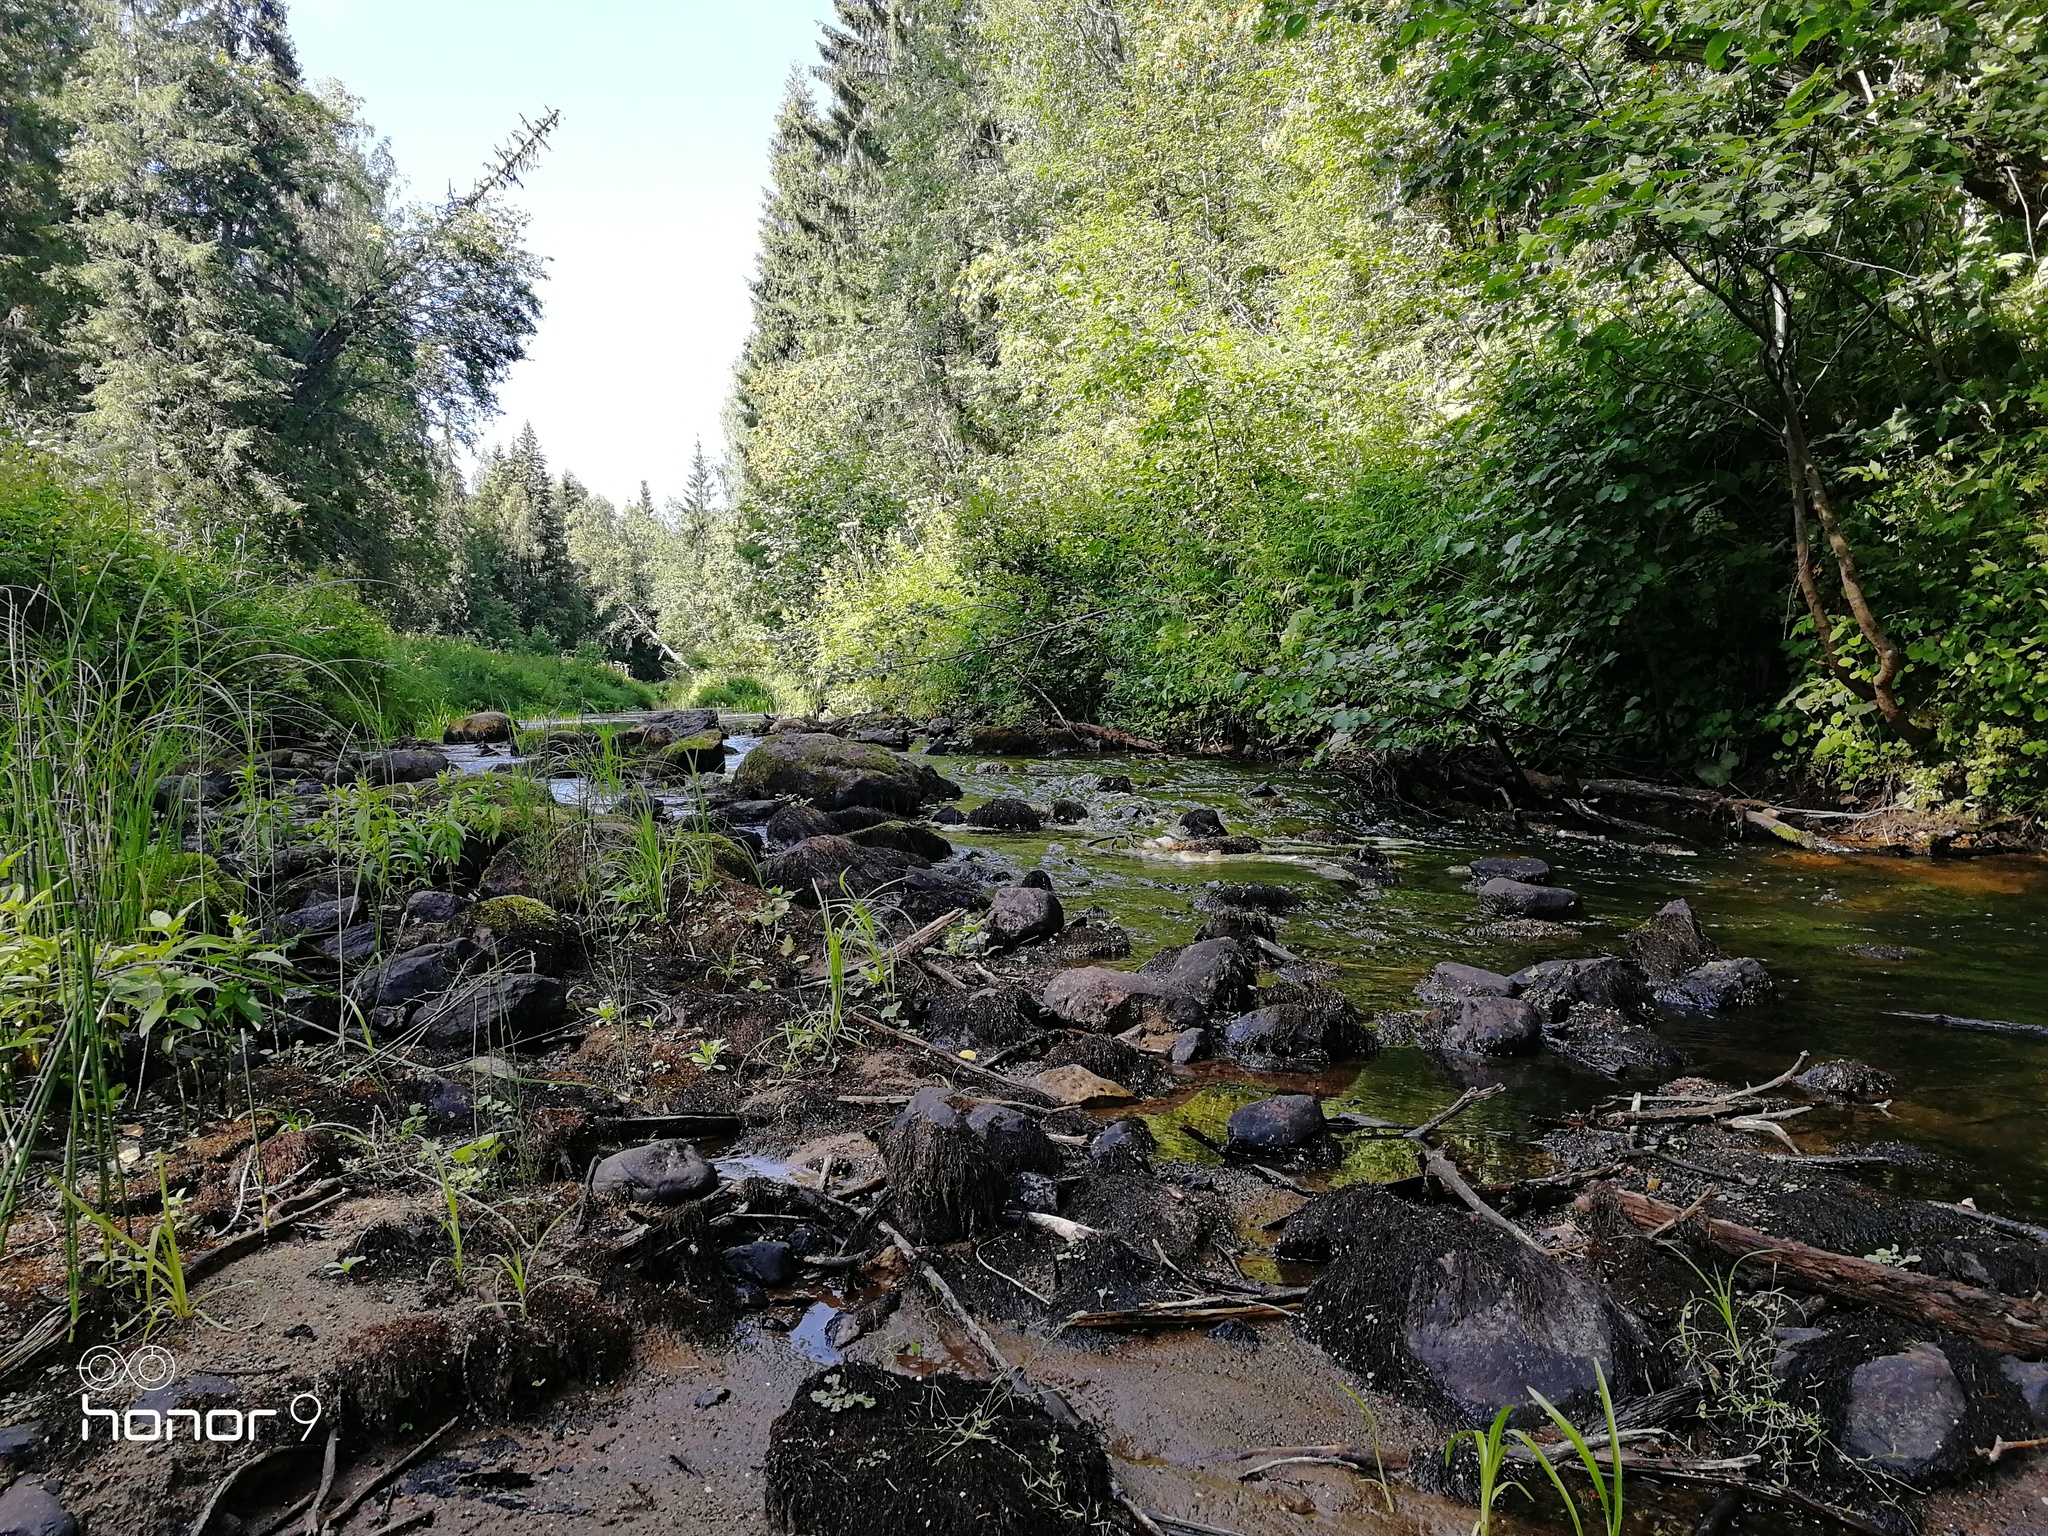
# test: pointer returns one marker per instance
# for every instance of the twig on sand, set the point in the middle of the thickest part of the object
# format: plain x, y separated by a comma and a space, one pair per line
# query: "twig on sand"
326, 1481
356, 1501
925, 937
951, 1303
220, 1489
966, 1068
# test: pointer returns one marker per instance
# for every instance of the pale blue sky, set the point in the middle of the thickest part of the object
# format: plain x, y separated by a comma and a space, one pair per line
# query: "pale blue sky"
645, 207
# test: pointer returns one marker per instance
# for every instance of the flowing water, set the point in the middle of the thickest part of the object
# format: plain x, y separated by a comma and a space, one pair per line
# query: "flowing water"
1852, 941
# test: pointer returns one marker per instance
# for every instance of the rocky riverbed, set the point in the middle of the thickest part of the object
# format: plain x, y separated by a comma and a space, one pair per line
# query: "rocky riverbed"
867, 1126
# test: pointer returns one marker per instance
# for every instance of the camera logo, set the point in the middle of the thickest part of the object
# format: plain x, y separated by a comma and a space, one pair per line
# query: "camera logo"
104, 1368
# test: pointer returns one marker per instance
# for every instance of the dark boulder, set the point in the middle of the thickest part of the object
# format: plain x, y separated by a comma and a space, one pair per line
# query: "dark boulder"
1281, 1124
1526, 871
1904, 1412
1097, 998
1241, 923
1022, 914
1287, 1038
903, 837
933, 1105
1738, 983
864, 1452
509, 1009
1069, 813
488, 725
833, 774
1122, 1146
855, 818
1465, 1321
1006, 813
1201, 822
988, 1019
1113, 783
351, 946
798, 822
1847, 1081
433, 907
834, 866
406, 978
1604, 1041
1671, 943
948, 816
767, 1264
323, 917
1014, 1141
703, 752
405, 765
925, 893
1216, 973
1554, 987
1518, 898
658, 1173
1277, 899
1450, 981
190, 791
1490, 1026
28, 1509
1028, 740
1036, 880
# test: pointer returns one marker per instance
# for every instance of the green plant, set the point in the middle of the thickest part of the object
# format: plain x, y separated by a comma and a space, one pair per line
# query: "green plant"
705, 1053
1606, 1487
857, 963
1733, 1353
157, 1265
1372, 1424
396, 834
455, 1175
519, 1268
1492, 1454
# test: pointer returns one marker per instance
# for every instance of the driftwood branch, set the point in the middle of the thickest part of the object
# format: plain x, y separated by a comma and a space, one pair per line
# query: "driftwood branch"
955, 1064
2011, 1324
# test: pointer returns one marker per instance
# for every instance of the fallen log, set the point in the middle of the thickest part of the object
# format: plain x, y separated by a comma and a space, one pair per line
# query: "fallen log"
2010, 1324
1114, 738
1977, 1026
1178, 1314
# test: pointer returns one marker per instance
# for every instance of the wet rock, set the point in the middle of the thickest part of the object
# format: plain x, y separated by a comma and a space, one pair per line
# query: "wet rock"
447, 1104
406, 978
1282, 1123
1604, 1041
504, 876
948, 816
323, 917
1097, 998
1189, 1045
1739, 983
1847, 1081
433, 907
1028, 740
701, 753
1286, 1038
925, 893
987, 1019
904, 837
1069, 813
1200, 822
1450, 981
27, 1509
1077, 1087
1006, 813
405, 765
1277, 899
514, 1010
1013, 1139
767, 1264
659, 1173
1554, 987
856, 818
1490, 1026
1671, 944
833, 774
189, 791
488, 725
1263, 792
1241, 923
894, 737
1527, 871
1036, 880
943, 1185
1022, 914
860, 1450
20, 1444
1122, 1146
1903, 1412
834, 865
1113, 783
798, 822
1215, 973
933, 1105
1517, 898
747, 813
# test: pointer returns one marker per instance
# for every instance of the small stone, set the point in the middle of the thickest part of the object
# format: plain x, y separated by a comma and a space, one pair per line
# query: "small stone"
948, 816
2031, 1377
1738, 983
1113, 783
1079, 1088
1287, 1121
432, 907
406, 765
1847, 1081
933, 1105
766, 1264
1263, 792
659, 1173
1069, 812
515, 1008
1189, 1045
1036, 880
1903, 1410
1491, 1026
1022, 914
1671, 943
21, 1443
1122, 1146
712, 1398
1036, 1192
323, 917
1234, 1330
1014, 1140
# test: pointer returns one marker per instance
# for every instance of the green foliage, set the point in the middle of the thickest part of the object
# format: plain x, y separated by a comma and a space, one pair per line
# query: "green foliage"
1492, 1453
429, 678
734, 691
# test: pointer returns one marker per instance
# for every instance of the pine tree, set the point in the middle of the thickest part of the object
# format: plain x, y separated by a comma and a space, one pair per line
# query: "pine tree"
39, 44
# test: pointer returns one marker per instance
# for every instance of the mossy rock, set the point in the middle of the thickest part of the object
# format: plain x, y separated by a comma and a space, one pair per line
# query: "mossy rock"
516, 925
904, 837
701, 753
834, 774
174, 880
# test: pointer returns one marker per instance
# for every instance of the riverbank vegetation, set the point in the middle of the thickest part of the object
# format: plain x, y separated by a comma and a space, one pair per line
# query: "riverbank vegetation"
1664, 388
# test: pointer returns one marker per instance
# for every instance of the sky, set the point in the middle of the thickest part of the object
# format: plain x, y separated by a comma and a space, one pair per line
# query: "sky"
645, 206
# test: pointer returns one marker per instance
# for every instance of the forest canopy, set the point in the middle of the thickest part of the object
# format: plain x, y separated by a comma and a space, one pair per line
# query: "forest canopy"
1635, 383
